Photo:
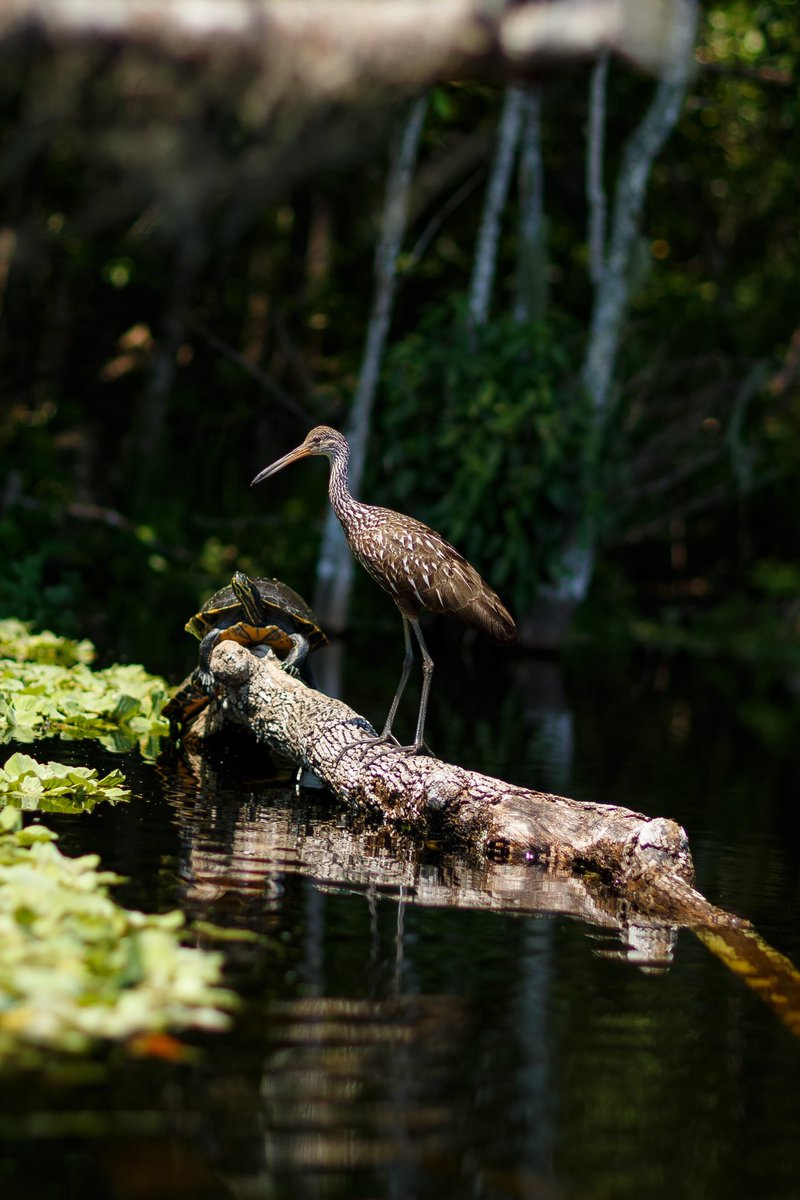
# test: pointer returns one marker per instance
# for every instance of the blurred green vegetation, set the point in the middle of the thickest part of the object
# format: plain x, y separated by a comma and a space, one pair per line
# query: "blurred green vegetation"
155, 354
509, 463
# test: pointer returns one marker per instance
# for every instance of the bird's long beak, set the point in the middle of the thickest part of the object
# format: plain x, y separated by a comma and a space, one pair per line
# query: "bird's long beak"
292, 456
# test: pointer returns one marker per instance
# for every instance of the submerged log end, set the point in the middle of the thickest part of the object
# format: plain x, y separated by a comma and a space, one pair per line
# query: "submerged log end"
663, 844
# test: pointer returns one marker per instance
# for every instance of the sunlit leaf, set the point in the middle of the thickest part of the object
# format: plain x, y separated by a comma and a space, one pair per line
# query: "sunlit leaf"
57, 787
76, 968
51, 690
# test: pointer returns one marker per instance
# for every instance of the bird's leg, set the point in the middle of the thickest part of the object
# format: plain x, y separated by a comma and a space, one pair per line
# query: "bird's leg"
427, 669
427, 675
386, 734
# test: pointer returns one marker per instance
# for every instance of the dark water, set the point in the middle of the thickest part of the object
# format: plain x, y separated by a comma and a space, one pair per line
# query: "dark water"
415, 1026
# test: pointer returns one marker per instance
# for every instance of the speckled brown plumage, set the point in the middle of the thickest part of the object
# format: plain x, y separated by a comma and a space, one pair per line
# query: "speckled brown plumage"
413, 563
420, 570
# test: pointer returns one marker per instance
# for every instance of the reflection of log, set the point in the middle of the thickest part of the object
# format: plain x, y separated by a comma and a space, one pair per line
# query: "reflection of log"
234, 856
646, 859
233, 852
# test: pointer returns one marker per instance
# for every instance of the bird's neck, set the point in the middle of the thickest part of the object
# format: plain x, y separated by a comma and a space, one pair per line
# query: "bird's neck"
343, 503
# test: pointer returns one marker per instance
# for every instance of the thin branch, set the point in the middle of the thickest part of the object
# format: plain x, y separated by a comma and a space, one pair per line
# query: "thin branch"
685, 468
438, 219
771, 76
289, 347
790, 370
716, 495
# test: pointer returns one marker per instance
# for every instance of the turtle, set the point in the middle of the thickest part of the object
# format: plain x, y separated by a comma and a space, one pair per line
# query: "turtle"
255, 612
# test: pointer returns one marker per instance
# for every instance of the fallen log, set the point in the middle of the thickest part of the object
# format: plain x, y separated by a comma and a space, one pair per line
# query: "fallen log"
232, 849
646, 859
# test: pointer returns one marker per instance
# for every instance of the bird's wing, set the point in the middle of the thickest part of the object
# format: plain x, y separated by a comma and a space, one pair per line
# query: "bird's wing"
423, 571
464, 594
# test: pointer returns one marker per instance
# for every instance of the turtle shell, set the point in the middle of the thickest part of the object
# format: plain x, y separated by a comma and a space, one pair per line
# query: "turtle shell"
257, 603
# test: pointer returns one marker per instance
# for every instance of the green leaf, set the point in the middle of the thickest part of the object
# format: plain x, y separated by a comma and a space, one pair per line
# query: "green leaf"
54, 786
120, 706
76, 968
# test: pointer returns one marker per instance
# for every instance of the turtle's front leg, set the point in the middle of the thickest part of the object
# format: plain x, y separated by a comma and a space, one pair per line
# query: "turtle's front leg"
203, 675
294, 663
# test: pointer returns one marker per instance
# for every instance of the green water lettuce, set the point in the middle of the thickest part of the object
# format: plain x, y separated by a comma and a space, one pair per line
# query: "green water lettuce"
18, 642
77, 969
47, 688
57, 787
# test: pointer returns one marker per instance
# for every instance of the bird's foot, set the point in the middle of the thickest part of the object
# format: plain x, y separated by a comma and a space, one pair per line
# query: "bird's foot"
389, 743
377, 739
415, 748
385, 739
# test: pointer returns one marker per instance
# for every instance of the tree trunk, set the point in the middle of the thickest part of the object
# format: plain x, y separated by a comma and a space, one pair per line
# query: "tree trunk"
575, 563
531, 298
485, 262
612, 297
595, 162
335, 565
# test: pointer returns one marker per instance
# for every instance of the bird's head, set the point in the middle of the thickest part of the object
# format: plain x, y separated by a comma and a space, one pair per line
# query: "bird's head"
321, 440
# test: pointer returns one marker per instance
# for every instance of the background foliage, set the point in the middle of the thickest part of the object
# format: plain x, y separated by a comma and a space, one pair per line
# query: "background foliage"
157, 348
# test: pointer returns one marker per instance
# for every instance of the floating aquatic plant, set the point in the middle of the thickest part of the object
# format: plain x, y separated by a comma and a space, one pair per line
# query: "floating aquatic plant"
46, 691
18, 642
57, 787
77, 969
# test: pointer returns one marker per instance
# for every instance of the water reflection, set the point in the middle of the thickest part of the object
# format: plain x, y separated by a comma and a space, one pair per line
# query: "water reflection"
354, 1080
417, 1024
237, 851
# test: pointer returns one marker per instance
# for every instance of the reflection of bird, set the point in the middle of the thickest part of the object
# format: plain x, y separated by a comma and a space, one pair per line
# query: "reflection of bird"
413, 563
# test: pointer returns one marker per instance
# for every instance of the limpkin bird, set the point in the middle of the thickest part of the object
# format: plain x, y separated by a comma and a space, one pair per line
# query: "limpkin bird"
413, 563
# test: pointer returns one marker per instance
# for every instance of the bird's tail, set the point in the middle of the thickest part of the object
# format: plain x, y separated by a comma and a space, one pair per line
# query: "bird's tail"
491, 616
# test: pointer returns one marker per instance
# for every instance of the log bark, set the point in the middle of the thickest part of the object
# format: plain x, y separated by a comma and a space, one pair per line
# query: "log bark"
645, 859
